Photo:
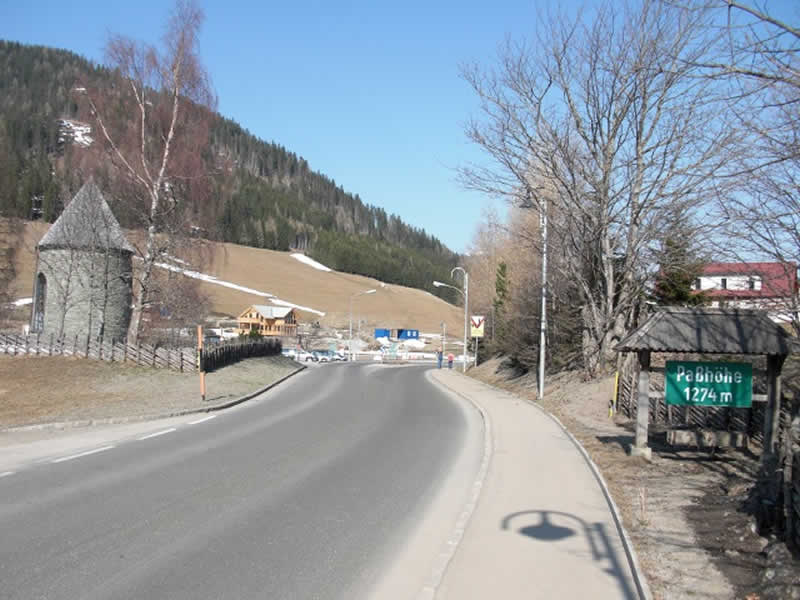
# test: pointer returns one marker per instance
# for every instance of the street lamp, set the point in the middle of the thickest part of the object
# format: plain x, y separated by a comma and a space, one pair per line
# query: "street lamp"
350, 343
464, 293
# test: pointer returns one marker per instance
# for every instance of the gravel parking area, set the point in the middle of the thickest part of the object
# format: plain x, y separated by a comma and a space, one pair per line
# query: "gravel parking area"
36, 390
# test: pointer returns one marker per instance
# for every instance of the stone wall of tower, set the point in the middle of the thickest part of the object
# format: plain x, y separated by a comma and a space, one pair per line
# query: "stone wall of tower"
87, 292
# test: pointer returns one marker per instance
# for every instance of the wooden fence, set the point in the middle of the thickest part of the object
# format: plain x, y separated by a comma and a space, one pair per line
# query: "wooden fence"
791, 474
215, 357
177, 359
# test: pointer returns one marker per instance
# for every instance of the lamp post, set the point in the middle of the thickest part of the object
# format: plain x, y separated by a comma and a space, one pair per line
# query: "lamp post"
464, 293
350, 342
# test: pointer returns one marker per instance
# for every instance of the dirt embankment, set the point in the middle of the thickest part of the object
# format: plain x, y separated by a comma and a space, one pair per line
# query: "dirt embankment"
35, 390
688, 512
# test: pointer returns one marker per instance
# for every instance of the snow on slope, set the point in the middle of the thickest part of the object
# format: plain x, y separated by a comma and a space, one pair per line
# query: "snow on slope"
236, 286
310, 262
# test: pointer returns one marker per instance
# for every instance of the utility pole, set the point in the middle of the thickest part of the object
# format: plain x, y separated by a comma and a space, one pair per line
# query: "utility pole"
543, 320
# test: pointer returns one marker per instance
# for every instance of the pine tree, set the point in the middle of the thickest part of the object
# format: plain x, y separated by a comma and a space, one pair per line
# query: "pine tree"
678, 270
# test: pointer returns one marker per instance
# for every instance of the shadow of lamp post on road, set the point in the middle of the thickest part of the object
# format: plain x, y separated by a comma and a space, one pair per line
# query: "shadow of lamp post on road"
549, 530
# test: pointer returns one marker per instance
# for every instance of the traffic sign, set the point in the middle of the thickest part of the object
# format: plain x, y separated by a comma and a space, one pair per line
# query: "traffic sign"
709, 384
477, 322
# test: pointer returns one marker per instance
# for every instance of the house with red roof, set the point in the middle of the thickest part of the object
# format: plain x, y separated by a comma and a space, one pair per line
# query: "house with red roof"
770, 286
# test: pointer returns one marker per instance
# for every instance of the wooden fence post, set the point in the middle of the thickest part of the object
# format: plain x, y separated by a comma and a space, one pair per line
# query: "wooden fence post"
640, 448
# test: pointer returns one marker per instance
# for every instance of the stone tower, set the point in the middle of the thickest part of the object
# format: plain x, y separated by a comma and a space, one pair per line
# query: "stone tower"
83, 272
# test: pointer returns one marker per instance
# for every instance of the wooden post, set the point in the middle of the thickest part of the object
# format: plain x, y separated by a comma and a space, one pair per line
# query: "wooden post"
788, 467
773, 411
640, 447
200, 362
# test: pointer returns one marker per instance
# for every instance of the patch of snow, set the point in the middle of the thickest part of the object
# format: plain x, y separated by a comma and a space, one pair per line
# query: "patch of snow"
297, 306
212, 279
76, 132
176, 260
234, 286
309, 261
23, 302
419, 345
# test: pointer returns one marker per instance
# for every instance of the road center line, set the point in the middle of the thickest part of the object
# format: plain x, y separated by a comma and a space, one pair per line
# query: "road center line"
6, 473
157, 433
80, 454
203, 420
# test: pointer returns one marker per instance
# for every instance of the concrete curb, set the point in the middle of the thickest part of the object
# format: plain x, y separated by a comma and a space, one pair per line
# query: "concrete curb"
431, 588
639, 577
137, 419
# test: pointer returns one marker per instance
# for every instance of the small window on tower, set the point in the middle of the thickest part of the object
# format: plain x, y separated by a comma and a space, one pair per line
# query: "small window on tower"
697, 283
723, 283
751, 283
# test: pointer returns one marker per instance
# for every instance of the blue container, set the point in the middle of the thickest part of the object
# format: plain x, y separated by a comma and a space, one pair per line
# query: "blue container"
408, 334
381, 333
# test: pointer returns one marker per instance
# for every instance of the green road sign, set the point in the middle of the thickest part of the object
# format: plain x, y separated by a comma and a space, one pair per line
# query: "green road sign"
709, 384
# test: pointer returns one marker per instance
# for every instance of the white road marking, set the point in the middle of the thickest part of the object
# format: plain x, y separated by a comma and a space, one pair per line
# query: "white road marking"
80, 454
157, 433
203, 420
6, 473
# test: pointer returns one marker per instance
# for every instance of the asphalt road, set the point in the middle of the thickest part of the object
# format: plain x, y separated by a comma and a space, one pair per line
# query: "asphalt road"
311, 491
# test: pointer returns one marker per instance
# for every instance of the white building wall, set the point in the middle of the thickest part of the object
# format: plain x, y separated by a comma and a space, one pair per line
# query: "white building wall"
732, 282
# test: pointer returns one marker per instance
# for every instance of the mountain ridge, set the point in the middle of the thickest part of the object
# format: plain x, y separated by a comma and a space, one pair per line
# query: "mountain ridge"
271, 198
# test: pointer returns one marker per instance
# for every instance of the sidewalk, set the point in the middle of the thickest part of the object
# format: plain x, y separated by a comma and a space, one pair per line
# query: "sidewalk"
543, 526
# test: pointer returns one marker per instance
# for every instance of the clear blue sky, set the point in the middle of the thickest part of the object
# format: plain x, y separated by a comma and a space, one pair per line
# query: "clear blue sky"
367, 91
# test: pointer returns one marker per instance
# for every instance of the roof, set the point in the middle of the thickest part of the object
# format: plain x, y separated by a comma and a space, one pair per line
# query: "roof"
270, 312
709, 330
778, 279
86, 223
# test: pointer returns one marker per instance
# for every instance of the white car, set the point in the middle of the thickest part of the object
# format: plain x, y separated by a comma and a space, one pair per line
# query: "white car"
303, 356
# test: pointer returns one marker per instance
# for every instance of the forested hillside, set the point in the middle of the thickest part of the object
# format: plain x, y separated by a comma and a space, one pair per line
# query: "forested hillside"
262, 195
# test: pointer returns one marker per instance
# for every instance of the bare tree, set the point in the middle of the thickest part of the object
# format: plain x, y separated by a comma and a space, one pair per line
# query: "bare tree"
605, 118
154, 122
758, 59
9, 244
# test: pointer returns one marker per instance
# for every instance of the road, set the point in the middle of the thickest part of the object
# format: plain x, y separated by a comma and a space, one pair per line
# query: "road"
318, 489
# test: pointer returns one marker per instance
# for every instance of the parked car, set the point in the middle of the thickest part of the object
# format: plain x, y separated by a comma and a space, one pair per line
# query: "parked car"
322, 355
304, 356
339, 356
290, 352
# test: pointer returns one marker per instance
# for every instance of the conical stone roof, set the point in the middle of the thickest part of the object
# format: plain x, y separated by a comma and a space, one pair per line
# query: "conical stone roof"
87, 223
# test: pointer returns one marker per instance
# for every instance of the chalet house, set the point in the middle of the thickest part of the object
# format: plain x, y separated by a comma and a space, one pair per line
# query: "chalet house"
770, 286
268, 321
